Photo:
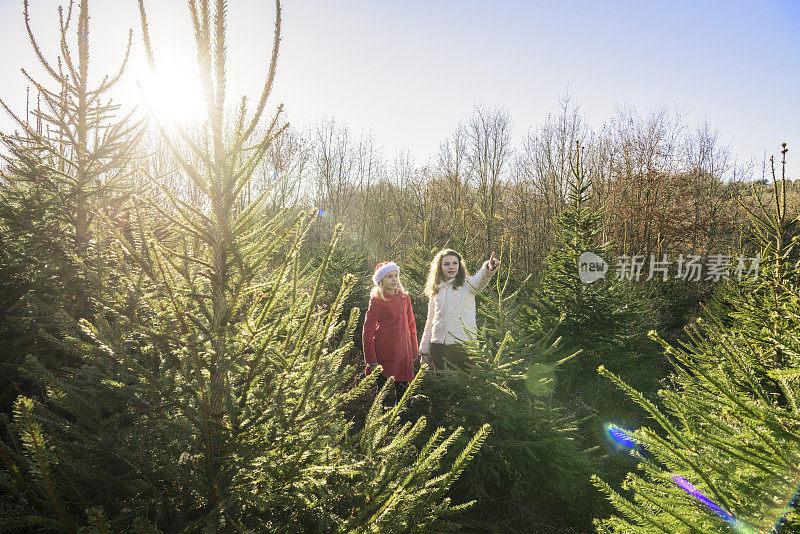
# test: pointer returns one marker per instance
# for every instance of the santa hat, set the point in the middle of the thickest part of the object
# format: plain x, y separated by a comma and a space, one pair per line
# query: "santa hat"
382, 269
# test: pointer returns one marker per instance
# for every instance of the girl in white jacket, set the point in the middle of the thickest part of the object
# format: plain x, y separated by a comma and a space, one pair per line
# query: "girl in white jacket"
451, 308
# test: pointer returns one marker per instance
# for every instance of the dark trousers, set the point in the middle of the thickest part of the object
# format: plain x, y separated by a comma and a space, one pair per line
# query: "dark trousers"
455, 355
399, 390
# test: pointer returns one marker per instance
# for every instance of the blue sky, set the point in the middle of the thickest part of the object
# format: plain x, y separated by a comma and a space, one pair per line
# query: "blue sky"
410, 71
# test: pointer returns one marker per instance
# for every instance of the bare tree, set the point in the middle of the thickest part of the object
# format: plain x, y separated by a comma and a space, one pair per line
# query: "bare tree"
284, 164
403, 210
332, 168
369, 169
453, 180
488, 151
524, 215
646, 158
706, 165
540, 174
549, 152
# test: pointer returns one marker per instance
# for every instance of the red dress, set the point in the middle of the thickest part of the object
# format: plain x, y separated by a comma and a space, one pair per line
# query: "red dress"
390, 336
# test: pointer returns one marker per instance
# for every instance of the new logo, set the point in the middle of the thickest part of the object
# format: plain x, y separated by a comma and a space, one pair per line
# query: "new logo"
591, 267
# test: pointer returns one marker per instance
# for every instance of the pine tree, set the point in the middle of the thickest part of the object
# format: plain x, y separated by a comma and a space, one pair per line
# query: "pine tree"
602, 319
598, 322
208, 394
65, 170
721, 455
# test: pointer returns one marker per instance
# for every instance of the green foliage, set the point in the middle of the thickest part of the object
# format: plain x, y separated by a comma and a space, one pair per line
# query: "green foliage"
346, 260
131, 432
389, 511
208, 393
530, 462
729, 421
598, 323
66, 170
603, 319
192, 364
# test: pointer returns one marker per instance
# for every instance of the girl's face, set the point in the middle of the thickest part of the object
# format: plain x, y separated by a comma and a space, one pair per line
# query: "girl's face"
449, 267
391, 282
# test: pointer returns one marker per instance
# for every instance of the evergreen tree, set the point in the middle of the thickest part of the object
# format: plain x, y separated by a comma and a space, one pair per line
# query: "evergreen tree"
602, 319
722, 454
64, 172
208, 394
598, 322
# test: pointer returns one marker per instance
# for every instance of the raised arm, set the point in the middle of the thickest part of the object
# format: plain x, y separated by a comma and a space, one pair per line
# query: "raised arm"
479, 281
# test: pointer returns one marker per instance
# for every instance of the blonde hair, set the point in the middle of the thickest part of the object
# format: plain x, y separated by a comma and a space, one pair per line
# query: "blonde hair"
435, 275
378, 291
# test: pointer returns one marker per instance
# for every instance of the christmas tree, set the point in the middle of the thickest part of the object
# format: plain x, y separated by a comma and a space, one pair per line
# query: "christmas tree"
531, 474
603, 317
66, 169
721, 455
209, 393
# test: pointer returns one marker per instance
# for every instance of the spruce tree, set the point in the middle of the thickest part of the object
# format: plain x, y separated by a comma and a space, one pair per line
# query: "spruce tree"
65, 170
603, 319
598, 322
209, 393
721, 454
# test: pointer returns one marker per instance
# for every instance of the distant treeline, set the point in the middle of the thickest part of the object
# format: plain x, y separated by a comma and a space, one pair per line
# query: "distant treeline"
664, 188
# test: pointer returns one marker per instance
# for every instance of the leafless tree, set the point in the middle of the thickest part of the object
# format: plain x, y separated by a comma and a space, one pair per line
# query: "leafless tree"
332, 168
645, 158
488, 151
284, 164
452, 179
706, 166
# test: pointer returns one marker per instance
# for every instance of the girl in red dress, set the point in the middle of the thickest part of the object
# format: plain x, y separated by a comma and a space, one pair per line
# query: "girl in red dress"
390, 333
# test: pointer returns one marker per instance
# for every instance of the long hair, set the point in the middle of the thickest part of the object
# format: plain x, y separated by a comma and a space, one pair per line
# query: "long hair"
435, 275
378, 290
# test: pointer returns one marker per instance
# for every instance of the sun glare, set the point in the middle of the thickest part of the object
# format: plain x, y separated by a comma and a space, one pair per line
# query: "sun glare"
173, 95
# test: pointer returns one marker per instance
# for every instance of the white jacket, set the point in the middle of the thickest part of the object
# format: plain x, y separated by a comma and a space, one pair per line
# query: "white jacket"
451, 312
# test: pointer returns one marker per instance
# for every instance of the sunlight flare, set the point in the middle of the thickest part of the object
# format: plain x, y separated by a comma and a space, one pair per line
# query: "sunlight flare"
173, 95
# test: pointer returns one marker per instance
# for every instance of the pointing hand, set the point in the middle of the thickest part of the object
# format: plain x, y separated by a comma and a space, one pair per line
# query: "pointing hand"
493, 263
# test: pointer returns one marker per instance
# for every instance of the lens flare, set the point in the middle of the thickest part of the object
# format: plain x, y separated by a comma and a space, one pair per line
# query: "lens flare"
540, 380
620, 436
694, 492
781, 522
